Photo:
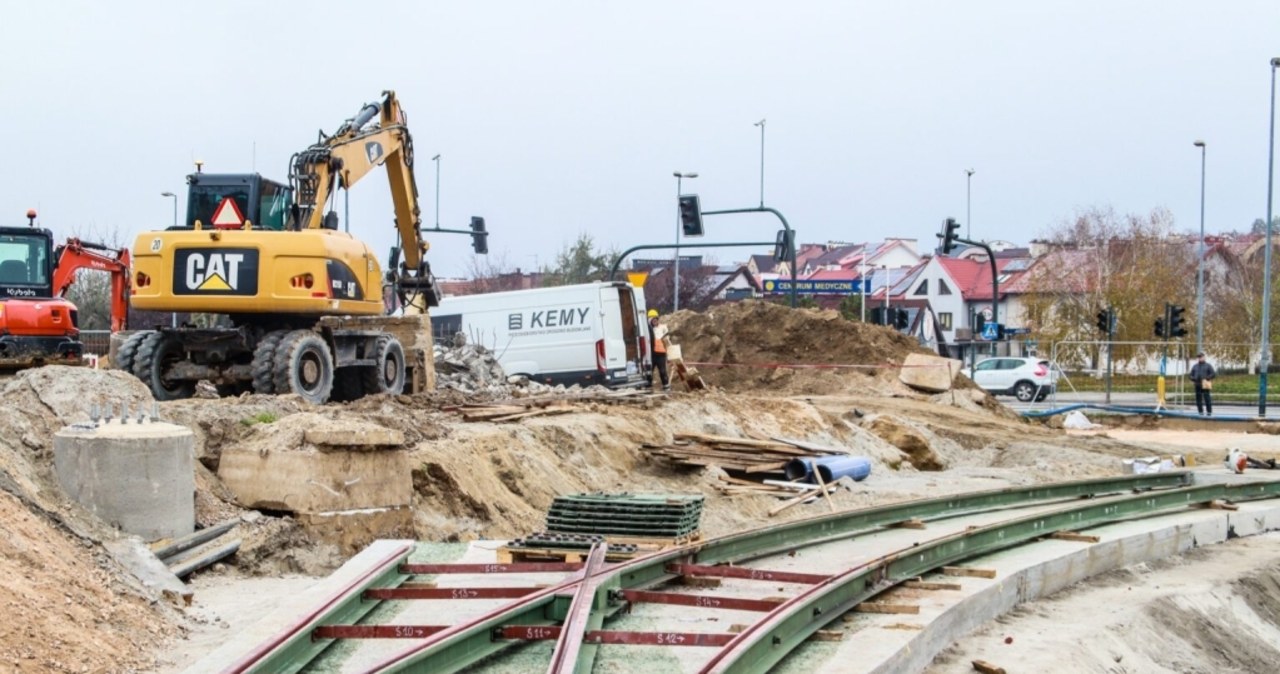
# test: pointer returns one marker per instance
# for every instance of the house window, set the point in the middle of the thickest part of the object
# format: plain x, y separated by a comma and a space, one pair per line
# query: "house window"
943, 288
944, 320
924, 288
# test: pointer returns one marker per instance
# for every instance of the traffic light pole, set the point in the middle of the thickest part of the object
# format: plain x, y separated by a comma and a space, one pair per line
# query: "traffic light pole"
791, 237
995, 287
1111, 344
613, 271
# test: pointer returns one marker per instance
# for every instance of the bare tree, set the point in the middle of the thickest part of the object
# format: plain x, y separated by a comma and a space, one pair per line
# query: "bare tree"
1134, 263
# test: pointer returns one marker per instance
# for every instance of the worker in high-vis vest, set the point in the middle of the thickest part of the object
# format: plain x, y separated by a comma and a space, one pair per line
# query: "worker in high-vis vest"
656, 333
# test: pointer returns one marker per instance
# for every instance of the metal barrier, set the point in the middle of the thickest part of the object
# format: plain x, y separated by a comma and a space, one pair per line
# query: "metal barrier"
97, 342
1136, 366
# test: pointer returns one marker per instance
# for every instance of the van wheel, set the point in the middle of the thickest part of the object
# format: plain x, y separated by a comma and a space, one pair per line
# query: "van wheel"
1024, 391
156, 354
304, 366
387, 375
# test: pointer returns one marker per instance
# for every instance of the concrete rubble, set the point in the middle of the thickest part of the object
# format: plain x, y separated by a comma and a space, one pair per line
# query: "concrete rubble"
468, 368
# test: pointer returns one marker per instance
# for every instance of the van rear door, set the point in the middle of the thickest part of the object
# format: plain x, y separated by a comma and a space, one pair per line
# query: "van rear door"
618, 351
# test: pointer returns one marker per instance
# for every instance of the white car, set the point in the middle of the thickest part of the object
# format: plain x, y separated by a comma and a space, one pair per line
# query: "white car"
1026, 379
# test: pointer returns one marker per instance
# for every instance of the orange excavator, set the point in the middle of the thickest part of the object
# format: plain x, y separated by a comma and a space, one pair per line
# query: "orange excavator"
38, 324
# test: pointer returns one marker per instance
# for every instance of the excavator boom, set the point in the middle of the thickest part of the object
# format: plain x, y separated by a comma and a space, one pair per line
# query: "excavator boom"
75, 255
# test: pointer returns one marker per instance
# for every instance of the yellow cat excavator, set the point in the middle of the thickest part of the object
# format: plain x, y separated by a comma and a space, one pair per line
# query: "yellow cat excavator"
303, 302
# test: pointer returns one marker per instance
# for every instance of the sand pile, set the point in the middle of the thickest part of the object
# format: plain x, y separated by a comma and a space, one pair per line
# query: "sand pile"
739, 345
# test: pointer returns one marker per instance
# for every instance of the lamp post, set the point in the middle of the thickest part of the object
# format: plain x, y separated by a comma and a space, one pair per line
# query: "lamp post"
675, 263
173, 315
968, 201
862, 280
436, 159
1200, 267
761, 125
887, 285
1266, 272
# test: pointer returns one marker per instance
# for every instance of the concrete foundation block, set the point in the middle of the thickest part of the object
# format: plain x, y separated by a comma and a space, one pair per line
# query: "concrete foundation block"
352, 530
307, 480
138, 477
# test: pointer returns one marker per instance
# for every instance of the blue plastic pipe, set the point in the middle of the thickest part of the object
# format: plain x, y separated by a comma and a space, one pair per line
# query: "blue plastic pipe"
830, 468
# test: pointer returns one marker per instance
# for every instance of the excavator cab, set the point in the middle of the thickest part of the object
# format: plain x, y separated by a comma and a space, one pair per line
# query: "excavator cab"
26, 263
227, 200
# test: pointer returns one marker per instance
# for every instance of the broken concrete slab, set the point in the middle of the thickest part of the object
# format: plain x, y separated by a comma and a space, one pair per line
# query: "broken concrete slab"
156, 579
929, 373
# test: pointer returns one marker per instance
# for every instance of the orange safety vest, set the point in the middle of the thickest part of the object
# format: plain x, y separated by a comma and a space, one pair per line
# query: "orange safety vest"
658, 345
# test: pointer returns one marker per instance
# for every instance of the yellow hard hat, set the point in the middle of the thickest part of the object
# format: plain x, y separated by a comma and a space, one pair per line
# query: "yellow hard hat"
653, 313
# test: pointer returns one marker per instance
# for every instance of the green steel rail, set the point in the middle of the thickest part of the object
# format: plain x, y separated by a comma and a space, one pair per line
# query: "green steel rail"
293, 649
461, 646
765, 643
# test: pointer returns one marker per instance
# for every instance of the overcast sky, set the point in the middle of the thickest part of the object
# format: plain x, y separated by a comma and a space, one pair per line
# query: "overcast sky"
555, 118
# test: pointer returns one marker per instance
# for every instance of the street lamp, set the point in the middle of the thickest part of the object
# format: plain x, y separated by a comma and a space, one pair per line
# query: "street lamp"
887, 320
1200, 267
761, 125
862, 280
175, 205
173, 315
968, 200
1266, 272
436, 159
675, 266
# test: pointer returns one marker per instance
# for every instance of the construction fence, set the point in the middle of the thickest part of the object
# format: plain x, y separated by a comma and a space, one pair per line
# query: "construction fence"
1136, 367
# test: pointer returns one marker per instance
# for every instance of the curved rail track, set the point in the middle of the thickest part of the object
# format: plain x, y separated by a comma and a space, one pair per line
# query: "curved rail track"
577, 611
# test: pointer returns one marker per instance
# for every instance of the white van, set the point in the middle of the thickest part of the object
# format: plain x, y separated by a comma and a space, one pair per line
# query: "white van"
593, 333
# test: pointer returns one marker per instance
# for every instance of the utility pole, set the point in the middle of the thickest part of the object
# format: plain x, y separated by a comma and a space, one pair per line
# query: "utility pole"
675, 262
1266, 273
761, 125
436, 159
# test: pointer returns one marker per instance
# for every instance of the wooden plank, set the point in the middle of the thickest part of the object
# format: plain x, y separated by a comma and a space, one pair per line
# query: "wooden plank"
987, 668
812, 447
798, 499
968, 572
913, 523
1073, 536
826, 493
886, 607
827, 635
927, 585
765, 467
700, 581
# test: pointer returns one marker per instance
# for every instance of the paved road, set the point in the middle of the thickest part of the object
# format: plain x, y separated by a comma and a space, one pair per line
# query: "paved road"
1064, 398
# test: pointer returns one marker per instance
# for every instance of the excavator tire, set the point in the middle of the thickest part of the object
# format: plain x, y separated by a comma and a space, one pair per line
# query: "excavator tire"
387, 376
128, 351
348, 384
155, 353
264, 362
304, 365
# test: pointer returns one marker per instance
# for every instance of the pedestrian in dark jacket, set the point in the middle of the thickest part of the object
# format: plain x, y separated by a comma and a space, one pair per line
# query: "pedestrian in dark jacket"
1202, 375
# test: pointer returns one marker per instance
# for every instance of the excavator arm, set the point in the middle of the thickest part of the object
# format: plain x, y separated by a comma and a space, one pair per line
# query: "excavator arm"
75, 255
350, 154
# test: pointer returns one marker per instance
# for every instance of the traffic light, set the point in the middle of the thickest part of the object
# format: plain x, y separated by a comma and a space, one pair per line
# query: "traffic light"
979, 322
950, 230
690, 215
1160, 332
900, 318
784, 245
1106, 318
1177, 327
479, 237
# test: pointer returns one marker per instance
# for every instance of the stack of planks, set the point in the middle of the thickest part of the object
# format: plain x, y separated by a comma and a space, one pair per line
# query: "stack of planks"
748, 457
516, 409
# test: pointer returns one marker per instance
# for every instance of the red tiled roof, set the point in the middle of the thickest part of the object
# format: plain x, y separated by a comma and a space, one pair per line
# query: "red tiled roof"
833, 275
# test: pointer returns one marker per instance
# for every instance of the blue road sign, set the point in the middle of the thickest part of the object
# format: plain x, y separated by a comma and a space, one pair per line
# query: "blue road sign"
818, 287
989, 331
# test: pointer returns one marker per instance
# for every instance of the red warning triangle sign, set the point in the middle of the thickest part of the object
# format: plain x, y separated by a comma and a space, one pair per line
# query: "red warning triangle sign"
227, 214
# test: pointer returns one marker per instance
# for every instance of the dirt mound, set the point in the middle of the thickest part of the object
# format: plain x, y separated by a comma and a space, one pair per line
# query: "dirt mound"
739, 346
